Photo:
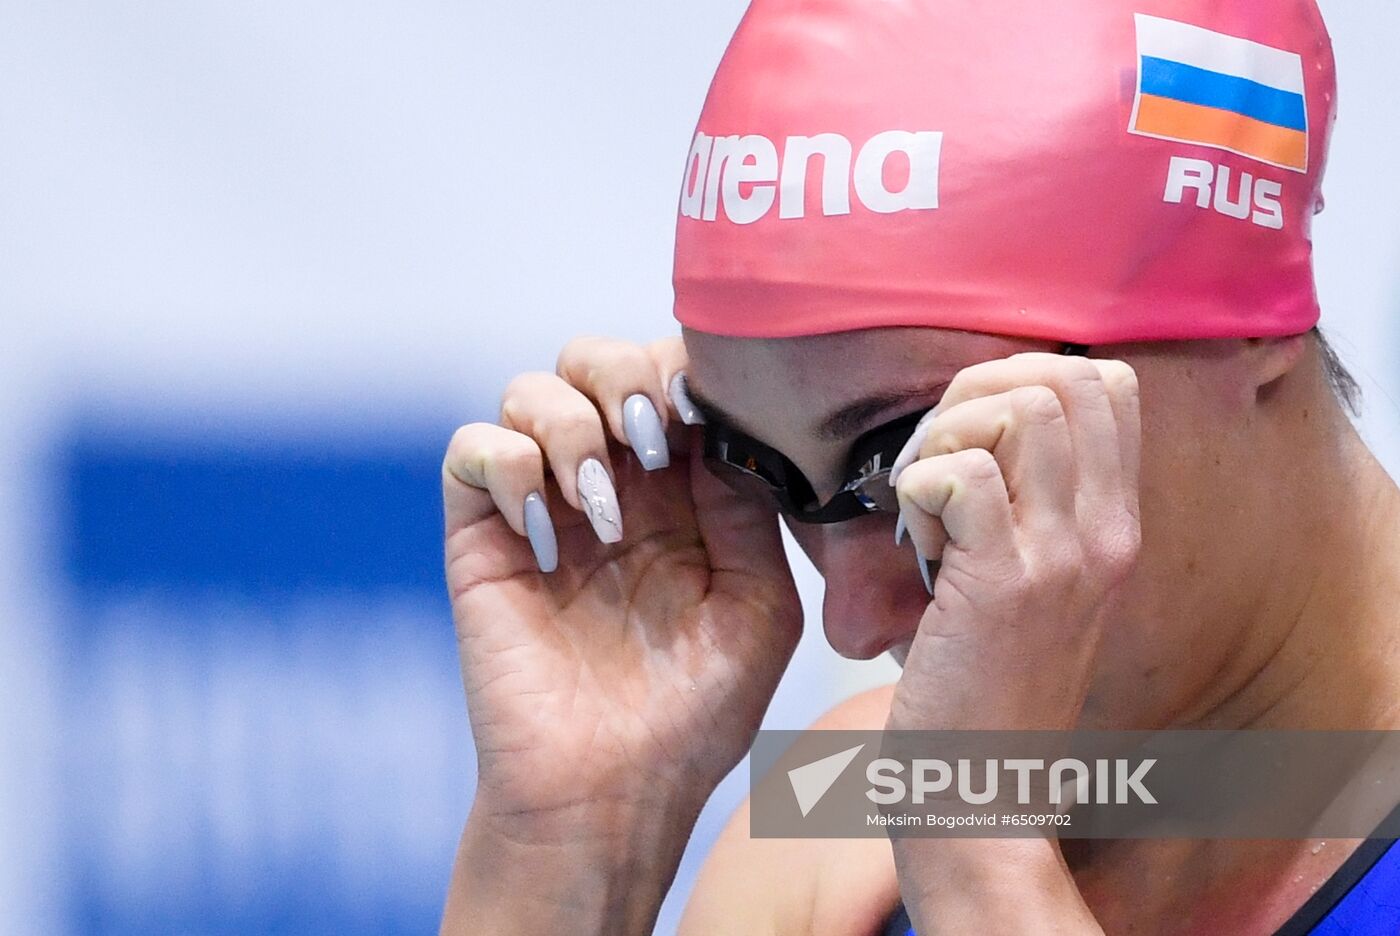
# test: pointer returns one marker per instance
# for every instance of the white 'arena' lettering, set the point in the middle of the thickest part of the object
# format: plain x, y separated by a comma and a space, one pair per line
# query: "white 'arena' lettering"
717, 167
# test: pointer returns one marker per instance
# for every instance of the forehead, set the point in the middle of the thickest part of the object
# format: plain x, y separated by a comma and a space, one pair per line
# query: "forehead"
810, 397
754, 377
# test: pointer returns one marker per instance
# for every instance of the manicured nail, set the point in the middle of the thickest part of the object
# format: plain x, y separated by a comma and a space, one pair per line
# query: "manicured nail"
923, 569
899, 528
643, 428
599, 500
540, 531
680, 398
910, 453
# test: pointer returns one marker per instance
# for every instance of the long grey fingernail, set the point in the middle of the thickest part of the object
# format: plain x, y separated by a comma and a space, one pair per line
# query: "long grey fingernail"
540, 531
909, 453
599, 499
680, 399
643, 428
923, 569
899, 528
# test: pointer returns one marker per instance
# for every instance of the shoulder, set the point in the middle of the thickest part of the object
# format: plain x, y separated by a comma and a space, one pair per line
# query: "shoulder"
866, 711
776, 887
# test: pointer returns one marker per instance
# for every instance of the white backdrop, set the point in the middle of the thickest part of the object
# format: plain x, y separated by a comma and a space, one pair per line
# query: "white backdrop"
327, 214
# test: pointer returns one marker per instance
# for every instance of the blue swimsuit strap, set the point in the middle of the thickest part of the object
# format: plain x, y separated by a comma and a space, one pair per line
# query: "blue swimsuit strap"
1361, 899
899, 924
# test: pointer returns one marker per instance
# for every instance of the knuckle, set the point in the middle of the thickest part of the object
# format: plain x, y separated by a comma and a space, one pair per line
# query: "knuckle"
591, 363
528, 382
1075, 369
630, 369
1116, 543
576, 350
468, 451
943, 478
978, 464
628, 358
511, 411
1060, 563
462, 440
670, 349
523, 388
916, 480
1036, 357
573, 423
962, 386
515, 461
1119, 376
1037, 403
1071, 370
941, 442
1080, 368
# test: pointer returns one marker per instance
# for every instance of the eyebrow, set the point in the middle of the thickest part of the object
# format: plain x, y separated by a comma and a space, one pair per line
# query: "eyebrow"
845, 422
708, 409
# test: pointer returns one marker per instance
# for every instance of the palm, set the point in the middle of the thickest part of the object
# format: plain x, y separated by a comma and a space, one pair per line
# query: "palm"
658, 653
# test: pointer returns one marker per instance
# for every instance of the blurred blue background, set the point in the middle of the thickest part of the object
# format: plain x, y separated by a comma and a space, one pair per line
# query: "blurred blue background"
257, 261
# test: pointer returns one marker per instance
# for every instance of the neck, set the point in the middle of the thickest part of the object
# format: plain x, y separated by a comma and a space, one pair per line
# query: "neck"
1331, 661
1310, 615
1320, 646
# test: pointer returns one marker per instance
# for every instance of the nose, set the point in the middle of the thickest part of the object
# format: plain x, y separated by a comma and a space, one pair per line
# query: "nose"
874, 593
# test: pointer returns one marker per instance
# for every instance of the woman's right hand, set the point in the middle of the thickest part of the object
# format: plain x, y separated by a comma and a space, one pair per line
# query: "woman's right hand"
634, 675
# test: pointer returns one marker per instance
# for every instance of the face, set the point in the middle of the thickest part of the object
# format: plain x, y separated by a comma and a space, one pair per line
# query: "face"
1180, 616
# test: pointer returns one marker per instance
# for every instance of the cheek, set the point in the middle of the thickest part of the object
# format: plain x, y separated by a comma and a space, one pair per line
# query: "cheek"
1193, 462
1196, 417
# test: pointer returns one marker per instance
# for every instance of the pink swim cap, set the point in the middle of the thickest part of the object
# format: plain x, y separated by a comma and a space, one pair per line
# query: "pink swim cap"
1088, 171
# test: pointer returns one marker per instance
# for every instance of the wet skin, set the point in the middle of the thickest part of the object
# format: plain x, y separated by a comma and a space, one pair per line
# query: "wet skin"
1261, 595
1238, 543
610, 694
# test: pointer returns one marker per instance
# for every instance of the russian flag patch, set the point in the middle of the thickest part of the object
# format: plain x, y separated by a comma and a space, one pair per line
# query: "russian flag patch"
1210, 89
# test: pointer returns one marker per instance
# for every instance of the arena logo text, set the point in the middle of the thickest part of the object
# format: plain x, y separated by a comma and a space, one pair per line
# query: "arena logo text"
745, 174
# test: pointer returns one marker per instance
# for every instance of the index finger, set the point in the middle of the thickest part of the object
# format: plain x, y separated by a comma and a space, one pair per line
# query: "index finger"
1093, 422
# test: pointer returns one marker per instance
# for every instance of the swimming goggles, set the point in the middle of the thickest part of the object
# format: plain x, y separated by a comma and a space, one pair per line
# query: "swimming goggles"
754, 470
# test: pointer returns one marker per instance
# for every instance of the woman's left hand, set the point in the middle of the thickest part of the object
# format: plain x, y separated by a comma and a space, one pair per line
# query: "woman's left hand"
1023, 482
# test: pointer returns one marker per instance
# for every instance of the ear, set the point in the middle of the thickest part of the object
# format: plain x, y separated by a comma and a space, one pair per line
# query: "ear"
1272, 358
